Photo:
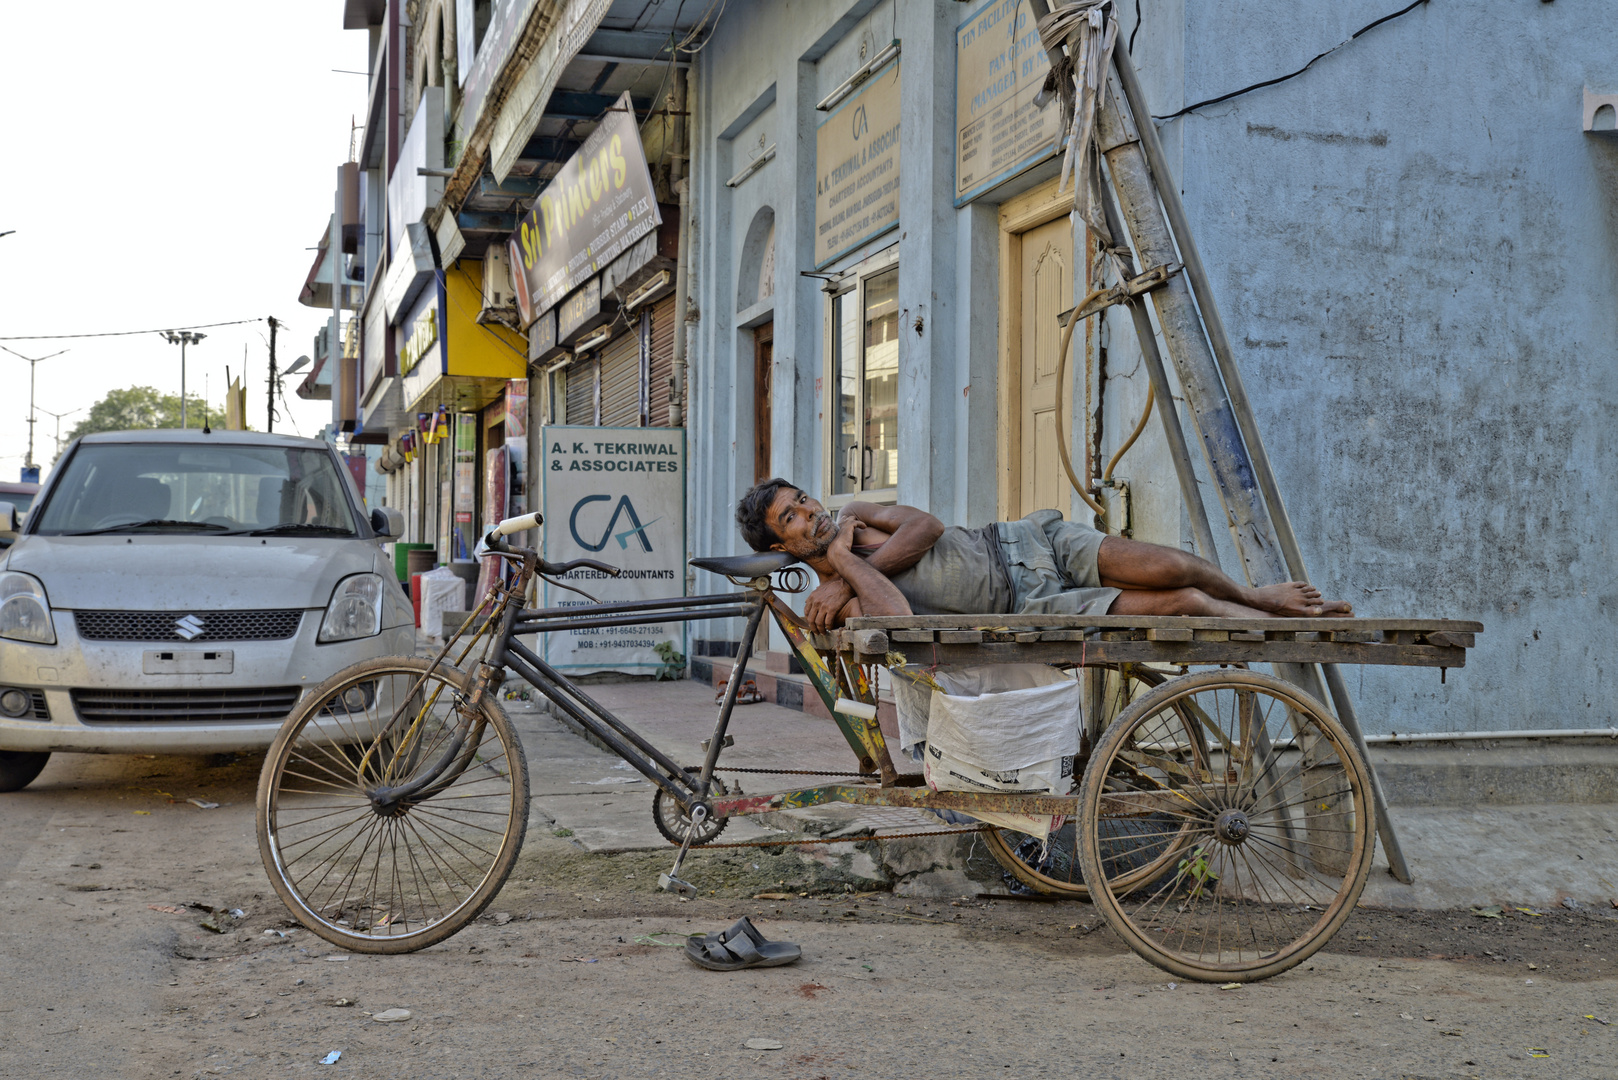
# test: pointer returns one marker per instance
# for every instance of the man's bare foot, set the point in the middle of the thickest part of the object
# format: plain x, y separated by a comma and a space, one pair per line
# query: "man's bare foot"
1299, 600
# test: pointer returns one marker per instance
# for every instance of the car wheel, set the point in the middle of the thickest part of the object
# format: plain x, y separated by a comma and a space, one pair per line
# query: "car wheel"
18, 768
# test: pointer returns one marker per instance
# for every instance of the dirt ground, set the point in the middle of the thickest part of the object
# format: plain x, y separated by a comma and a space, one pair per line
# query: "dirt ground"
574, 970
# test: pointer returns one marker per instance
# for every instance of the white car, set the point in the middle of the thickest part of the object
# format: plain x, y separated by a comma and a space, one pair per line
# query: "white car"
179, 591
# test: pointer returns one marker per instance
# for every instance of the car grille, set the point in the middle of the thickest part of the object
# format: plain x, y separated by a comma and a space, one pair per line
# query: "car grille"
273, 625
241, 704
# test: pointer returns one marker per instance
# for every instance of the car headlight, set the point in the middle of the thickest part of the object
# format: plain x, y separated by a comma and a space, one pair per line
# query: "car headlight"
355, 610
25, 614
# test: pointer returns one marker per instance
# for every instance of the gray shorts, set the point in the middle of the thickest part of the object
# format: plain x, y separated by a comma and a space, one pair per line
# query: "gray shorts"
1052, 566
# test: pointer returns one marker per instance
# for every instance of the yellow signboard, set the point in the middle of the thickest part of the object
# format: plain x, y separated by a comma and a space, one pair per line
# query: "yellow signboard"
999, 68
857, 168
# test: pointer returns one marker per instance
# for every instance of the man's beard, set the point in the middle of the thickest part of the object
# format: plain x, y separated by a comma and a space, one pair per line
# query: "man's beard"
818, 550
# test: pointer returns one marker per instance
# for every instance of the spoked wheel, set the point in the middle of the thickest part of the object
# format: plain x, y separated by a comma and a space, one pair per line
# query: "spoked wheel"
360, 849
1267, 828
673, 822
1052, 865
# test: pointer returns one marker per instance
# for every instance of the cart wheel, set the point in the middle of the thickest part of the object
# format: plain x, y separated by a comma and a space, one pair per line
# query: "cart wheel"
674, 822
1273, 834
1051, 866
391, 878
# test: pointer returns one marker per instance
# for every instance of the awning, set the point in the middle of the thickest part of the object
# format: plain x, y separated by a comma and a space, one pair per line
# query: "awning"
316, 291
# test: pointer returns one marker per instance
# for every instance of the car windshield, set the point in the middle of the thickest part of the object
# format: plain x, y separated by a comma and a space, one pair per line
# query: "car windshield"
207, 490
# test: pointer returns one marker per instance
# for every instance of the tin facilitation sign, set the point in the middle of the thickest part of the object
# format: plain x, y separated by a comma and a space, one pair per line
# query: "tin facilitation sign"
596, 207
1000, 66
616, 495
857, 167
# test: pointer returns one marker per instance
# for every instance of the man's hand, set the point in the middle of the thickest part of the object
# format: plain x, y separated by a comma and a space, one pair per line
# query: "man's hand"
825, 605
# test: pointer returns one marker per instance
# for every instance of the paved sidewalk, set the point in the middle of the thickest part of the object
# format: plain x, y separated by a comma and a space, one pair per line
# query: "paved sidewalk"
1463, 854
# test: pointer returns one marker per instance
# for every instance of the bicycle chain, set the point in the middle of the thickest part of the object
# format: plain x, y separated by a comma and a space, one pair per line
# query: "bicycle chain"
798, 772
838, 839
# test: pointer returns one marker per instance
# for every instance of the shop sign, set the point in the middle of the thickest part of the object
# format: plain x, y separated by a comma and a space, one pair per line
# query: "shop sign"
615, 495
857, 168
579, 312
600, 203
999, 68
506, 20
423, 336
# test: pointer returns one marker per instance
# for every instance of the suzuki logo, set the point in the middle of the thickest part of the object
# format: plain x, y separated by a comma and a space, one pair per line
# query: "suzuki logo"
638, 531
189, 627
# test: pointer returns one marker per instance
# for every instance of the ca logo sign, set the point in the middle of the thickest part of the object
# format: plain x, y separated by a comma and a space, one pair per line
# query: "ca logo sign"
624, 507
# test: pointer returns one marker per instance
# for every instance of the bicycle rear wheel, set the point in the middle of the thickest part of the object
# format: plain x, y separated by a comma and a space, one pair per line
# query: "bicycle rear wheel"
1050, 864
1271, 828
391, 876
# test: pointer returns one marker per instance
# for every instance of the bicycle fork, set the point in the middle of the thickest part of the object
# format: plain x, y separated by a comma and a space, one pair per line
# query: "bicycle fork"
671, 881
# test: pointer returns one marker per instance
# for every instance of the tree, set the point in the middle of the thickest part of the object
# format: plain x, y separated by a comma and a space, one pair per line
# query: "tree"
137, 408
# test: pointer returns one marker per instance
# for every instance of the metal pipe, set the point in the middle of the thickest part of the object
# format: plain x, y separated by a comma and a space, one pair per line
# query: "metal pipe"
1482, 736
682, 265
641, 605
547, 626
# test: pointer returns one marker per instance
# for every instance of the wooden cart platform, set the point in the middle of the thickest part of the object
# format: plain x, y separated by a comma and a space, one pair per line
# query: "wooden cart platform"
951, 640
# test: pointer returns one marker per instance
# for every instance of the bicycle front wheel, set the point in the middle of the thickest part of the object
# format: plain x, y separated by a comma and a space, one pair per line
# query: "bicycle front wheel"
391, 875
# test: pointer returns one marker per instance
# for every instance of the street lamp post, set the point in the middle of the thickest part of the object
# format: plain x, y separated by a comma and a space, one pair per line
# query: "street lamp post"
182, 338
33, 362
59, 416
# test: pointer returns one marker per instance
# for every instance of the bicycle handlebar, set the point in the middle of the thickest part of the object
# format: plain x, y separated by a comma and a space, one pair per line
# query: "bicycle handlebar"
524, 522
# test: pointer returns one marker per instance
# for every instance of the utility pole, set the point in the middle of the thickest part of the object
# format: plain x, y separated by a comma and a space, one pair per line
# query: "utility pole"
33, 362
182, 338
269, 417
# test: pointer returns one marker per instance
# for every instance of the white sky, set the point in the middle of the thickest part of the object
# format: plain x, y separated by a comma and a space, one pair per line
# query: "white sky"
165, 164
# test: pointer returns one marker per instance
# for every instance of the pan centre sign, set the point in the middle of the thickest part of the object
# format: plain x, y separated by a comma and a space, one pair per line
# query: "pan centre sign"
1000, 67
857, 168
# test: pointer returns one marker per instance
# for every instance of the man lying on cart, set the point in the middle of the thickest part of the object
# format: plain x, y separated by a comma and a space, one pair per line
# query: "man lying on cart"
901, 560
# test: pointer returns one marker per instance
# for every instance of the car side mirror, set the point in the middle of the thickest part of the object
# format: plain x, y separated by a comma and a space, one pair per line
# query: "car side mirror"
10, 521
386, 521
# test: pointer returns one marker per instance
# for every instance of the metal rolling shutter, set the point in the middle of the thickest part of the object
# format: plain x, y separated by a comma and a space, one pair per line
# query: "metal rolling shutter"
581, 392
620, 379
662, 363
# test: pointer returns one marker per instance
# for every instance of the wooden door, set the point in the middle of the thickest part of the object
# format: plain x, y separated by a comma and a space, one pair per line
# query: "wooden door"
763, 366
1046, 290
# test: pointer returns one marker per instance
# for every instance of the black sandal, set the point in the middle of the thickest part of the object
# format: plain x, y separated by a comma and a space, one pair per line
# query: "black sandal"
742, 946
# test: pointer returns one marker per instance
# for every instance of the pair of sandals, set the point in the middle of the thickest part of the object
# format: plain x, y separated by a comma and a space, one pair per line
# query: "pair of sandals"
741, 946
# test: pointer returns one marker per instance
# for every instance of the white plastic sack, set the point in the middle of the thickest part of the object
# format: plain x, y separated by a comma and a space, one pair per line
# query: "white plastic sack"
1000, 727
441, 590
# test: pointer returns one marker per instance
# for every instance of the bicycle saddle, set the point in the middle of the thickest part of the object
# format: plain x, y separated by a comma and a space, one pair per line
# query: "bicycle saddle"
751, 566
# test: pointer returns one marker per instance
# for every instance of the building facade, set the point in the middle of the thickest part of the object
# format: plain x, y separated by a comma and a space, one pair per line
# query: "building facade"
861, 252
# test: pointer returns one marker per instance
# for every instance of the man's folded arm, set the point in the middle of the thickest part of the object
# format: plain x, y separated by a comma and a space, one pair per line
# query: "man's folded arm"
911, 534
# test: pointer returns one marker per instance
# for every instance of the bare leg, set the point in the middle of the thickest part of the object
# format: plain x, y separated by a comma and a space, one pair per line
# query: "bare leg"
1132, 565
1186, 601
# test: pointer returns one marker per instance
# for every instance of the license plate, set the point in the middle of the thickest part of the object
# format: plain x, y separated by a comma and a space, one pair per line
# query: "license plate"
188, 662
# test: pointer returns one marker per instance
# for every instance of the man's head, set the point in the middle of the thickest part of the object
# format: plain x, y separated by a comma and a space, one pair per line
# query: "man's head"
776, 516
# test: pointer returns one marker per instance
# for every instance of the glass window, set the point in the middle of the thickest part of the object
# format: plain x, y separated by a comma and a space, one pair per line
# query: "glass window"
112, 487
863, 414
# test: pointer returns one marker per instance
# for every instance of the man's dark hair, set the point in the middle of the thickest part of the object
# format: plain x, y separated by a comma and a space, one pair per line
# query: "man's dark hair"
752, 513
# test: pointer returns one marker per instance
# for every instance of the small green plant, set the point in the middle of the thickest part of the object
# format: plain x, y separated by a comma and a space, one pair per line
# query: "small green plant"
673, 661
1197, 868
561, 832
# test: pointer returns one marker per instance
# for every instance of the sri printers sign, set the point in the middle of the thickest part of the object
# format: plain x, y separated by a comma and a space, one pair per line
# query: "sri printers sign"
597, 206
999, 68
857, 168
615, 495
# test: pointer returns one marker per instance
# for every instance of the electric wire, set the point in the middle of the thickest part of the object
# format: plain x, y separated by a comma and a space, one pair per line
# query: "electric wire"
1295, 74
126, 333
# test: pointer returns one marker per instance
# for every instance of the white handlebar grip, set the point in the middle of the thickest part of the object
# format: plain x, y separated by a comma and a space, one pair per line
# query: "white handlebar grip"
518, 524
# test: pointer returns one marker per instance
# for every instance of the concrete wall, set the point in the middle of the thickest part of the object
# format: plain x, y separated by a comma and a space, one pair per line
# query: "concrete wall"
1416, 251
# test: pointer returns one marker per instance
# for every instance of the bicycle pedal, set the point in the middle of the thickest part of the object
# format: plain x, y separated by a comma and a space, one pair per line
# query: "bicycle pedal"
669, 883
